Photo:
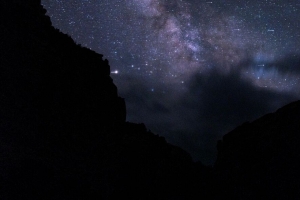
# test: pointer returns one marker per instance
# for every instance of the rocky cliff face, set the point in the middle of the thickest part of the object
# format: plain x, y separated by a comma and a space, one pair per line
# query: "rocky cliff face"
40, 63
63, 133
261, 158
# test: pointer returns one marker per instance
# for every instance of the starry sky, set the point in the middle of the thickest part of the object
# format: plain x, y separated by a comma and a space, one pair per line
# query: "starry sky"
192, 70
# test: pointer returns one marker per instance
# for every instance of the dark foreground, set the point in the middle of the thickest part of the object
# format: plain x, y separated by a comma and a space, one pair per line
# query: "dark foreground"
64, 135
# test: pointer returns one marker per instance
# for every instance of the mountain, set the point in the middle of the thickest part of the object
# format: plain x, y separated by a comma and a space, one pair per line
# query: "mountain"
63, 129
261, 159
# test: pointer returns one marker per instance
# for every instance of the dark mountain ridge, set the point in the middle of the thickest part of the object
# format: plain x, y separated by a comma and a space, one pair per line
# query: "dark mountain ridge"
63, 126
64, 135
262, 157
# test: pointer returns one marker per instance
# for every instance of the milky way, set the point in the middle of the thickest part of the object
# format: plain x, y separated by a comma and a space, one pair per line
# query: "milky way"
168, 58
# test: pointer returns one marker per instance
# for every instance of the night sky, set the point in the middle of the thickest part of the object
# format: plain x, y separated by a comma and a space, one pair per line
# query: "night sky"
192, 70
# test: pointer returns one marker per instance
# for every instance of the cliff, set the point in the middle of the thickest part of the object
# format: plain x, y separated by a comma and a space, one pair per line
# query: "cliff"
63, 129
261, 159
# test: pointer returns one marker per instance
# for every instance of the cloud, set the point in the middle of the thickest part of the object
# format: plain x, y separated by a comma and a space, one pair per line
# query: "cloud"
218, 103
288, 64
212, 105
281, 74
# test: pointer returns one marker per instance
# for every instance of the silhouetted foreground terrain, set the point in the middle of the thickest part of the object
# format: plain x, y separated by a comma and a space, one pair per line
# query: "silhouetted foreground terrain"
262, 158
64, 135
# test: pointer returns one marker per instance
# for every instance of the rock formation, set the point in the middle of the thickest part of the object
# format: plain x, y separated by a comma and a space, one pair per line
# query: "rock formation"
261, 159
63, 133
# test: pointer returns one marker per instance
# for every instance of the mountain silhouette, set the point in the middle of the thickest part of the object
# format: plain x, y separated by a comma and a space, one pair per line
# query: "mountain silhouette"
63, 129
64, 135
261, 159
